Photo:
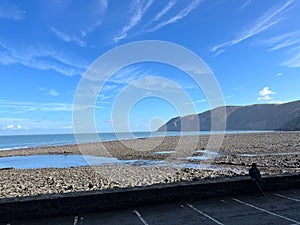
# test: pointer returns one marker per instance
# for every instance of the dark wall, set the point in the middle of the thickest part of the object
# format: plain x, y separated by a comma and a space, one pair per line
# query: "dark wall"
81, 202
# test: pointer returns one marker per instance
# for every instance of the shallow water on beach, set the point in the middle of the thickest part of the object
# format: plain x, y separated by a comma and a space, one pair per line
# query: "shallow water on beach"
207, 154
270, 154
55, 160
164, 152
66, 161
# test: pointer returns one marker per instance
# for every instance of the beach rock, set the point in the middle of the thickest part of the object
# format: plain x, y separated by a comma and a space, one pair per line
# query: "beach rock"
25, 182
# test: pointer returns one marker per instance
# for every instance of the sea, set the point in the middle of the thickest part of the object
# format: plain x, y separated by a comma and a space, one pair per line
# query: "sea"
11, 142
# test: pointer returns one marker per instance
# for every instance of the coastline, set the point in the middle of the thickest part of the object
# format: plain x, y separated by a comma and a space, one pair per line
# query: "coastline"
277, 153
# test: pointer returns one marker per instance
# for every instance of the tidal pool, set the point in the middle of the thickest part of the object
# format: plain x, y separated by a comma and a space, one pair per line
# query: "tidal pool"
165, 152
66, 161
269, 154
207, 154
53, 160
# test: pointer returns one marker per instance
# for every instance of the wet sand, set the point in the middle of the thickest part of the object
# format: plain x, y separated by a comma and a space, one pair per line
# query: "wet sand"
274, 152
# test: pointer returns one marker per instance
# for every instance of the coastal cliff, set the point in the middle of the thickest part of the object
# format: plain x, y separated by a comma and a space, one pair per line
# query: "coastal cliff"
251, 117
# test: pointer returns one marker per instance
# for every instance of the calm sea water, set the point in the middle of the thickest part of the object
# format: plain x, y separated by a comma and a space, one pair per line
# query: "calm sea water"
31, 141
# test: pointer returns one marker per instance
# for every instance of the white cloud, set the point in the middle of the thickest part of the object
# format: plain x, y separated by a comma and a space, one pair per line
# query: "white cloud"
269, 19
174, 19
139, 10
10, 11
53, 92
283, 41
245, 5
82, 18
137, 77
196, 102
165, 10
128, 75
22, 125
290, 44
266, 91
12, 127
101, 8
153, 83
294, 61
67, 38
277, 102
279, 74
15, 107
42, 89
66, 127
264, 94
284, 44
264, 98
41, 57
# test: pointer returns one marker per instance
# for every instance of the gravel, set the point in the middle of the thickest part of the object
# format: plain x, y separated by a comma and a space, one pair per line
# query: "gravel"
230, 162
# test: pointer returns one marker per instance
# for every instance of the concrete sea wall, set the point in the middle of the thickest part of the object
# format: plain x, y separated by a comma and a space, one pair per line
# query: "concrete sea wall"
82, 202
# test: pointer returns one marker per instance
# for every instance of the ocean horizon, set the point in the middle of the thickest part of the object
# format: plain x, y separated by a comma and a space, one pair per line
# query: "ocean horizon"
12, 142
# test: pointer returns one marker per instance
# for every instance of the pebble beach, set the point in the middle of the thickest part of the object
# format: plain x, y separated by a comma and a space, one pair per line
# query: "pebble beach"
274, 153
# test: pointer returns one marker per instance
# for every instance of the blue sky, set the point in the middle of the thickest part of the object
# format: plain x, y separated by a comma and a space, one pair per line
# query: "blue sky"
252, 47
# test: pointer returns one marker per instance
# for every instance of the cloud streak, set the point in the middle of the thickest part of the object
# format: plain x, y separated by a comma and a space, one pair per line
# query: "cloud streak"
67, 38
268, 20
165, 10
294, 61
41, 58
101, 9
245, 5
290, 44
283, 40
10, 11
138, 9
174, 19
16, 107
51, 92
159, 20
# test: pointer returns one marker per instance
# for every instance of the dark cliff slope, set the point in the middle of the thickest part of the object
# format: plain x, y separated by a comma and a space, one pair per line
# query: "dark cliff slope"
252, 117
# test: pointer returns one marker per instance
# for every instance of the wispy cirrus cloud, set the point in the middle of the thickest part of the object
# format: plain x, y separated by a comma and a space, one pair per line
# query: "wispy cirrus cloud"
196, 102
51, 92
268, 20
138, 8
100, 8
245, 5
158, 20
283, 40
42, 58
85, 25
19, 107
175, 18
289, 43
67, 38
294, 60
10, 11
141, 78
165, 10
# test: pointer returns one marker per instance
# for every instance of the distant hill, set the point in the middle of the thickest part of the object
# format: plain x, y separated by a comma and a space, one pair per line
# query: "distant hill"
251, 117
